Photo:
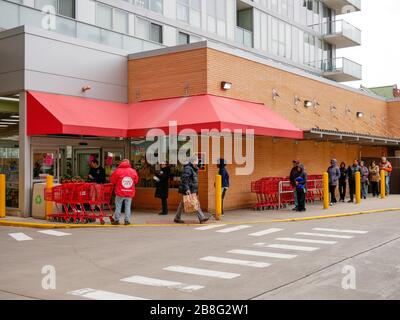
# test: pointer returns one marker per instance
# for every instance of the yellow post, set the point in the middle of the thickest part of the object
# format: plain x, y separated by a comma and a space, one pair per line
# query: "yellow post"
2, 195
218, 197
358, 187
49, 204
383, 184
326, 190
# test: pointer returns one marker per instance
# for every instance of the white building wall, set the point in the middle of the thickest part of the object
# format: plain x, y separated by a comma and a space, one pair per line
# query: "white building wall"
86, 11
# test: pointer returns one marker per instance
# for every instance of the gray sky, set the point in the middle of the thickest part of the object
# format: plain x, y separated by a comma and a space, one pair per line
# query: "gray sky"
379, 54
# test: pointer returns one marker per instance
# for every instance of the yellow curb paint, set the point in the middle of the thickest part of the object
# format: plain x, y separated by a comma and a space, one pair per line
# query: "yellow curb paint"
10, 223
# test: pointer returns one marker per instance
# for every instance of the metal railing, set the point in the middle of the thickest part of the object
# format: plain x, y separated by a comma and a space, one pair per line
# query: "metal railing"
342, 65
13, 15
338, 27
244, 37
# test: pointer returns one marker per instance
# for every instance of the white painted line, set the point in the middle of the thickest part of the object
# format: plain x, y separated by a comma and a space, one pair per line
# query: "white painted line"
264, 254
294, 248
212, 226
306, 240
162, 283
341, 231
233, 229
55, 233
246, 263
102, 295
203, 272
323, 235
20, 236
265, 232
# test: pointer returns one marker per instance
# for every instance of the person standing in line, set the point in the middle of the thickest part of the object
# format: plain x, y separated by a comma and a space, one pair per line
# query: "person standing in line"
301, 186
343, 182
162, 186
225, 179
364, 179
334, 176
386, 166
189, 185
293, 176
351, 176
375, 178
124, 178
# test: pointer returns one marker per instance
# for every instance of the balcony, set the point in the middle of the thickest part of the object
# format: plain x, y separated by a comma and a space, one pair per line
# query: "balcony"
339, 69
343, 6
244, 37
13, 15
339, 33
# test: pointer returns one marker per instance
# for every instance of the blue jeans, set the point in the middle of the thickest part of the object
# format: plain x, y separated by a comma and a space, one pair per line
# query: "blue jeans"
364, 190
118, 206
387, 185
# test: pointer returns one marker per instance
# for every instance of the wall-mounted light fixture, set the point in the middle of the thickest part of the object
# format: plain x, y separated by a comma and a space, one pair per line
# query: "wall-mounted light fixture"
275, 94
308, 104
296, 100
86, 88
360, 115
226, 85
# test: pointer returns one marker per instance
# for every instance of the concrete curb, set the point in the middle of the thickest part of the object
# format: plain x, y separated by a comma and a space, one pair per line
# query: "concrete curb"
36, 225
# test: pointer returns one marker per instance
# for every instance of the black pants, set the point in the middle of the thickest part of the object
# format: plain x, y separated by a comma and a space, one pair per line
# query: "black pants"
375, 188
223, 196
332, 191
342, 190
352, 186
164, 203
301, 200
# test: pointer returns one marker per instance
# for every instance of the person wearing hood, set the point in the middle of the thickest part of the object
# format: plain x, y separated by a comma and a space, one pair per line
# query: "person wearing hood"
124, 178
293, 173
189, 184
334, 176
225, 179
301, 186
364, 179
343, 182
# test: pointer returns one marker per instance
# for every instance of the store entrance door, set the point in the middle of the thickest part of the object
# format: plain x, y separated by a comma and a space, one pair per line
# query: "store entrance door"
83, 157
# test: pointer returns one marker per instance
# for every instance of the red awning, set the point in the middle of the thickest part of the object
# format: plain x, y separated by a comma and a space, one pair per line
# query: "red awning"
209, 112
58, 114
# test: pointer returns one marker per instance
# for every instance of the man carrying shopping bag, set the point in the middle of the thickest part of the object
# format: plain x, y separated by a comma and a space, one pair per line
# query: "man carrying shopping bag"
189, 189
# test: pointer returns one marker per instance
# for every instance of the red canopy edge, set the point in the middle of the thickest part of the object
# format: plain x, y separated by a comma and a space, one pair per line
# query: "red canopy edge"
50, 114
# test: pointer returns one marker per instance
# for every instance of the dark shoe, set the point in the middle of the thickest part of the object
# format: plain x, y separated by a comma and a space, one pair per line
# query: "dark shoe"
127, 223
179, 221
115, 223
295, 209
162, 214
350, 201
204, 220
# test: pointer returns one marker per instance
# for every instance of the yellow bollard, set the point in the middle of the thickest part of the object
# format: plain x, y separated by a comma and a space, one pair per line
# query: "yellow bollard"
326, 190
218, 197
2, 195
358, 187
49, 204
383, 184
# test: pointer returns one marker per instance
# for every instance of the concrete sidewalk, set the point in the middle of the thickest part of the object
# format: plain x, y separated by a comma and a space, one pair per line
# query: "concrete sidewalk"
244, 216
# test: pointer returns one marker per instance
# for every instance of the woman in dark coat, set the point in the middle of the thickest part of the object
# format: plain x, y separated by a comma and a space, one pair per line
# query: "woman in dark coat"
225, 179
162, 187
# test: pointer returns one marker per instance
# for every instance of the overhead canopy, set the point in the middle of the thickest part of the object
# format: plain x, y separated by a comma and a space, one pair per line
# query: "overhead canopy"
58, 114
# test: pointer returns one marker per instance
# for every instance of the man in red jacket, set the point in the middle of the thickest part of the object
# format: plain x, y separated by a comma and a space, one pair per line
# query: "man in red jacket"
124, 178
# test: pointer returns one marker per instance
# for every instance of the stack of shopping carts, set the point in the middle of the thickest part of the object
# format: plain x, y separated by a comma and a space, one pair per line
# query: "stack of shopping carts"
81, 202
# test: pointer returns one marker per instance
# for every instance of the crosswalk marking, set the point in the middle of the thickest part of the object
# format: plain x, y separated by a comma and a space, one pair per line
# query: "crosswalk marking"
265, 232
20, 236
323, 235
233, 229
246, 263
55, 233
341, 231
306, 240
162, 283
288, 247
203, 272
263, 254
102, 295
212, 226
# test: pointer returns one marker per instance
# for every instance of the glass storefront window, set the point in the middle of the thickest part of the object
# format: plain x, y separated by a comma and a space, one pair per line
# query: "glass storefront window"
43, 165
